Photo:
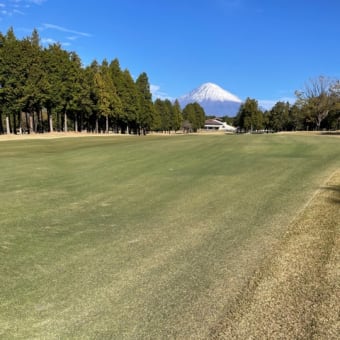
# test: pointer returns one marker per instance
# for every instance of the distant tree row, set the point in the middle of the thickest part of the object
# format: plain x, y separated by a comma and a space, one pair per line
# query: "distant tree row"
317, 107
48, 89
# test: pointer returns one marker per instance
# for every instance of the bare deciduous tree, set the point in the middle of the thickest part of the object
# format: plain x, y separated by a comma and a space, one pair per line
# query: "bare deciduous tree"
319, 97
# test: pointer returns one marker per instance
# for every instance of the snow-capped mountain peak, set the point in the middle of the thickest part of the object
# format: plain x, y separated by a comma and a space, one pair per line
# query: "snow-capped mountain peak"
210, 91
214, 99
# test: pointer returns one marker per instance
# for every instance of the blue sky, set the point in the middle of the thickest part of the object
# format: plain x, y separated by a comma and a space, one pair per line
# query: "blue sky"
260, 49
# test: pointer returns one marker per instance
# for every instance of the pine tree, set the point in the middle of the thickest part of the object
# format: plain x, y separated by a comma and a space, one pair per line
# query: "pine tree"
12, 78
163, 109
35, 88
250, 117
177, 117
108, 102
146, 112
194, 115
116, 74
129, 99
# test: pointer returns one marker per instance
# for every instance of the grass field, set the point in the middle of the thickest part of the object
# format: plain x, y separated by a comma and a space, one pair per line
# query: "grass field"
167, 237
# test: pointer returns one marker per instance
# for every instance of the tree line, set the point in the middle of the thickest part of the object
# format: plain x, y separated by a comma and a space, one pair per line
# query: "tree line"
317, 107
46, 89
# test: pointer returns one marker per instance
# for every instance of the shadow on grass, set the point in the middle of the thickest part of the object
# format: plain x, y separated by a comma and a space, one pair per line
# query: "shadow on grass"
336, 193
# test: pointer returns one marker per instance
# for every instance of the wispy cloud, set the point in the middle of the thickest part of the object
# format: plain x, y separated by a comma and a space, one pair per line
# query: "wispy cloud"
48, 41
157, 94
51, 41
17, 11
66, 30
64, 39
9, 8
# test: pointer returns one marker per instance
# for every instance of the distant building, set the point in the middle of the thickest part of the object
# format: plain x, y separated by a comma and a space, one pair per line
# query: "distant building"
217, 125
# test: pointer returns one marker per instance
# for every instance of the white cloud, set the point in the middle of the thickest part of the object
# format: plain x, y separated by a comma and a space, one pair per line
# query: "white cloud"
157, 94
154, 88
66, 30
51, 41
48, 41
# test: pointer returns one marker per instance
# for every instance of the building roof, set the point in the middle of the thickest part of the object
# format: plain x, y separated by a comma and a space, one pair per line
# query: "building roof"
218, 125
213, 122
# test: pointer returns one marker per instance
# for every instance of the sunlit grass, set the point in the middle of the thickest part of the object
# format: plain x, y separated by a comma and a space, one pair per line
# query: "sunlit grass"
144, 237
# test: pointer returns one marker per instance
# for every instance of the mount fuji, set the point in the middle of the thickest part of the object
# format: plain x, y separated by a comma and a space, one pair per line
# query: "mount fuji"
214, 100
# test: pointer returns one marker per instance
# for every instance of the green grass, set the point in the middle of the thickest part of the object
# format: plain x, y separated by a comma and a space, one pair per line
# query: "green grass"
144, 237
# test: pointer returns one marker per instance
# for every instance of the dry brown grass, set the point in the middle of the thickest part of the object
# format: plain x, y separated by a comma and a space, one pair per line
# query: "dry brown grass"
51, 135
54, 135
295, 295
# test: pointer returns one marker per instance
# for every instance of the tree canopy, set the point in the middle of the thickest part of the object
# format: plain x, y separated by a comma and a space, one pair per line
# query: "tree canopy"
250, 117
320, 97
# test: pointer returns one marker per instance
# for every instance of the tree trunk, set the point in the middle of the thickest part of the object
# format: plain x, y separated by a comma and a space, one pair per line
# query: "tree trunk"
97, 126
65, 121
38, 124
58, 122
42, 122
20, 122
27, 122
14, 127
50, 121
1, 127
81, 122
31, 122
76, 123
107, 125
34, 124
320, 117
8, 130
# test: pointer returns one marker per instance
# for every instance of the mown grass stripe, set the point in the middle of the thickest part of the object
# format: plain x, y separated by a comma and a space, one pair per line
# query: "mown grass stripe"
144, 237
